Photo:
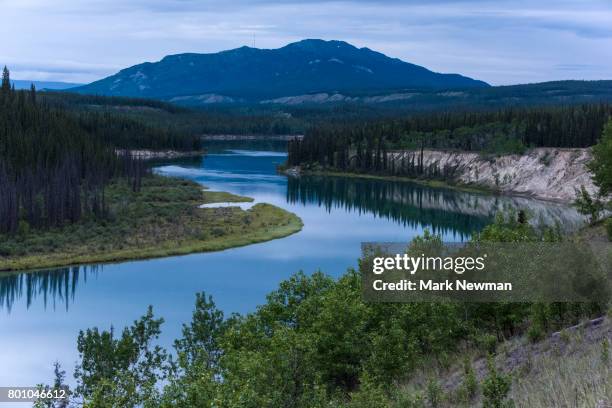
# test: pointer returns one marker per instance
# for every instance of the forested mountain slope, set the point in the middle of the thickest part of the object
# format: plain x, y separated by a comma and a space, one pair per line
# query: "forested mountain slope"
254, 74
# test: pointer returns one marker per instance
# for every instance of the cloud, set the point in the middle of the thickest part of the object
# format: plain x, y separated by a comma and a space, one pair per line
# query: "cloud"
499, 41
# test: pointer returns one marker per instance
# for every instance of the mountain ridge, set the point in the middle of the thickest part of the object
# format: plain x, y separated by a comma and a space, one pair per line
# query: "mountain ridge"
40, 85
254, 74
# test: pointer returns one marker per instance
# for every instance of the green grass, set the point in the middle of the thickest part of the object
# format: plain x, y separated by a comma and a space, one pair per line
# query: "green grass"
162, 220
224, 197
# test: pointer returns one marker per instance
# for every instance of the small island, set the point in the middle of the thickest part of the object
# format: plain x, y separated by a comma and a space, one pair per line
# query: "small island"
163, 219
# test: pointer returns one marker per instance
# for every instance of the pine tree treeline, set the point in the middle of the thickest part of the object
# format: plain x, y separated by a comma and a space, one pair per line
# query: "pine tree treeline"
366, 146
122, 123
127, 133
53, 171
68, 100
183, 124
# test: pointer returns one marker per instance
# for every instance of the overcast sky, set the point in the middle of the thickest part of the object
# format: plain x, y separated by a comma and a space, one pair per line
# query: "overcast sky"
498, 41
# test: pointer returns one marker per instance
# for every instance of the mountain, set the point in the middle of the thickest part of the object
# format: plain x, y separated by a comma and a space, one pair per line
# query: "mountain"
252, 74
25, 84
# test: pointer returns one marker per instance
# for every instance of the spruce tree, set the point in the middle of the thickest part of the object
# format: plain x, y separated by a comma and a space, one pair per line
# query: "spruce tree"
32, 94
6, 80
601, 166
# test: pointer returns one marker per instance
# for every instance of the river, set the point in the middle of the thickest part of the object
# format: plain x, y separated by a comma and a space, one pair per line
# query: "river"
42, 312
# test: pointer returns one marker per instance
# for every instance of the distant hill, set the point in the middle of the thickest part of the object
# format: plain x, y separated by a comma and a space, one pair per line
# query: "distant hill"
544, 93
25, 84
250, 74
290, 116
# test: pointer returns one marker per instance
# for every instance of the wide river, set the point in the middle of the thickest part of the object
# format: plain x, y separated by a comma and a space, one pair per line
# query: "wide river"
42, 312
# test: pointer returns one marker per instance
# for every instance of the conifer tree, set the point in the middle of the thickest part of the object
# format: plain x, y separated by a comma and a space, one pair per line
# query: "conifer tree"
601, 166
32, 94
6, 80
53, 168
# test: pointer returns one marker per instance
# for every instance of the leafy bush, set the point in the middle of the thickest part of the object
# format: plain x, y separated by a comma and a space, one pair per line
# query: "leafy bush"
487, 342
405, 399
495, 388
470, 383
369, 395
121, 370
535, 333
435, 394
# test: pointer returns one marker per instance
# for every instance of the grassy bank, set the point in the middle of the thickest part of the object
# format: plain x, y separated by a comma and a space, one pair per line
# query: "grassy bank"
211, 197
162, 220
570, 368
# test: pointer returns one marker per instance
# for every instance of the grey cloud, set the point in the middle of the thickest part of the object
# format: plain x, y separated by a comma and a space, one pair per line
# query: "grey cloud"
577, 67
499, 41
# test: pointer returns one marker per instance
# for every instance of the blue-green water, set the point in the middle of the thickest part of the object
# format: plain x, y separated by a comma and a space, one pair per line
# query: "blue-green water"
42, 312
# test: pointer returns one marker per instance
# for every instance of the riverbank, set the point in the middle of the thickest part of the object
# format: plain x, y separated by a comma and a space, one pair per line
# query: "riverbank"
144, 154
281, 138
162, 220
551, 174
294, 172
211, 197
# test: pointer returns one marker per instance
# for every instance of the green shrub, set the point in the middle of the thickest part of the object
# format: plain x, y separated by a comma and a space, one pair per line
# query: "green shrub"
218, 231
434, 393
405, 399
487, 342
535, 333
495, 388
369, 395
470, 383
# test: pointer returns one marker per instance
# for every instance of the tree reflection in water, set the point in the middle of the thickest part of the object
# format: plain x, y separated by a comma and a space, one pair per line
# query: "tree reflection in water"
55, 286
442, 210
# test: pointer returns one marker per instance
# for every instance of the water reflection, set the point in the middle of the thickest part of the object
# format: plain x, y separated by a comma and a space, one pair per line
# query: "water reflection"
57, 286
270, 145
408, 204
338, 215
414, 205
358, 204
